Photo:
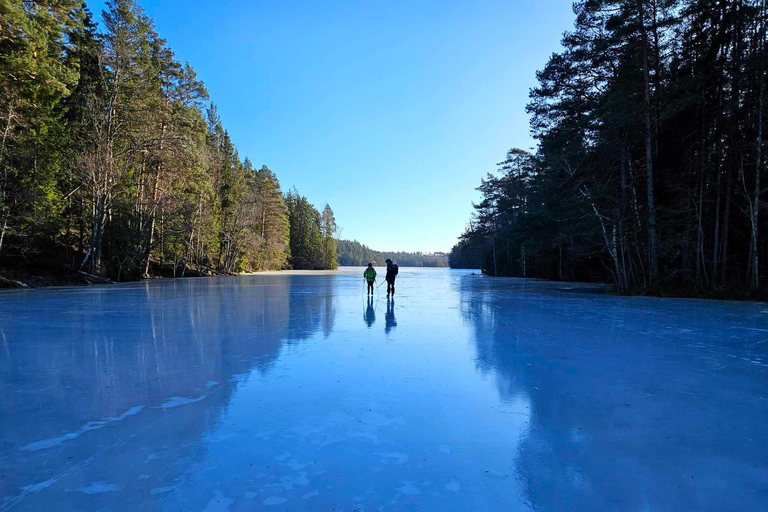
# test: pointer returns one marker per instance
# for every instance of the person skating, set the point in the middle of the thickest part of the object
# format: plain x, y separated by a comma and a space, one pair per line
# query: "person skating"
370, 277
390, 278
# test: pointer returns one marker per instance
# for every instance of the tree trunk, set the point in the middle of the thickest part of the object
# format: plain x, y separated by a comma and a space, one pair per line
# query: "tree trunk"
754, 282
716, 235
495, 267
657, 72
4, 180
726, 225
5, 227
701, 267
653, 261
620, 211
7, 131
153, 214
162, 238
525, 270
719, 172
610, 242
97, 231
140, 184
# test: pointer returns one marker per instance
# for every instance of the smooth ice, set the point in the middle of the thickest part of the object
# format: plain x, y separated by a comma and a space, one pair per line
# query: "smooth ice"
294, 392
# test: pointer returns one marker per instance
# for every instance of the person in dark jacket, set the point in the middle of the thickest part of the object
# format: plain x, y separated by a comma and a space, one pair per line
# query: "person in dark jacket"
390, 278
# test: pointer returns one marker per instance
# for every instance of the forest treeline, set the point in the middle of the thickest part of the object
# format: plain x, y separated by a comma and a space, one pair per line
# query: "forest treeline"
650, 160
312, 242
353, 253
113, 161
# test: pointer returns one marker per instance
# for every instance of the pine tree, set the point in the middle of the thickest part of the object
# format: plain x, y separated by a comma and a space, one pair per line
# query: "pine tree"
328, 232
34, 78
274, 227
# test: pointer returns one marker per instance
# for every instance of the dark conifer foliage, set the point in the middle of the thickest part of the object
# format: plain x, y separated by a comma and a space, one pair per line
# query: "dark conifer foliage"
114, 163
650, 159
312, 242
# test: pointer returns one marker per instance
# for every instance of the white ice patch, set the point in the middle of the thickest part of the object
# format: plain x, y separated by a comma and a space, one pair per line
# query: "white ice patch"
162, 490
395, 458
275, 500
283, 456
288, 482
176, 401
219, 503
453, 487
409, 489
221, 437
296, 465
91, 425
100, 487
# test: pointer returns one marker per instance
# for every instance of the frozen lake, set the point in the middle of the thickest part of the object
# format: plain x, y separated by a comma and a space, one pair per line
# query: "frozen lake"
292, 392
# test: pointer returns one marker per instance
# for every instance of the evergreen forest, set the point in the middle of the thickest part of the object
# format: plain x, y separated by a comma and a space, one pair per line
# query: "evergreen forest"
114, 162
353, 253
648, 170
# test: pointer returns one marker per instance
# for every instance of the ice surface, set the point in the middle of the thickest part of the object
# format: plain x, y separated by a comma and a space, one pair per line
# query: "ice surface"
293, 392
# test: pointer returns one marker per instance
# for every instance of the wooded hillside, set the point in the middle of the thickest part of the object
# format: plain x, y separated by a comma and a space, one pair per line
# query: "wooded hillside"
353, 253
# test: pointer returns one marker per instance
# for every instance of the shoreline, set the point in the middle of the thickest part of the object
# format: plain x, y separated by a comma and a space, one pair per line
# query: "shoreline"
48, 279
30, 281
43, 280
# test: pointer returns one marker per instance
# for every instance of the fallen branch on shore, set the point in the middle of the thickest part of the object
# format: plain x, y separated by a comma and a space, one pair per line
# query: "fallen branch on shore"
11, 283
90, 277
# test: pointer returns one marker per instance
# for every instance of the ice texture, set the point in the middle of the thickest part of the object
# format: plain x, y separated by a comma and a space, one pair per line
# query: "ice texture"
294, 392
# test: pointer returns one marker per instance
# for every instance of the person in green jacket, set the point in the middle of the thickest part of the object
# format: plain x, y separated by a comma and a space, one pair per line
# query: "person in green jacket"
370, 277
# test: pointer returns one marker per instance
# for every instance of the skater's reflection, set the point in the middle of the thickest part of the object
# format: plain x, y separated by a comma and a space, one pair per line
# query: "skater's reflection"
389, 319
370, 313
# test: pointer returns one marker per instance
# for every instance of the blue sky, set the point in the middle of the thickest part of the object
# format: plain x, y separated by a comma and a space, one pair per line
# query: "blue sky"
391, 112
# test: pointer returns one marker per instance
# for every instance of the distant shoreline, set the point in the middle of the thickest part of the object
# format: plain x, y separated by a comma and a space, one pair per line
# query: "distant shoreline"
44, 279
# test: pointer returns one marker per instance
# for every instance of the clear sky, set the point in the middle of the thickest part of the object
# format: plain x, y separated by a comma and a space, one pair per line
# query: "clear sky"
391, 112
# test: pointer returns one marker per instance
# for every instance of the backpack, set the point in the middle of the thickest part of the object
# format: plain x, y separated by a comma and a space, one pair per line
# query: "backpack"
395, 268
